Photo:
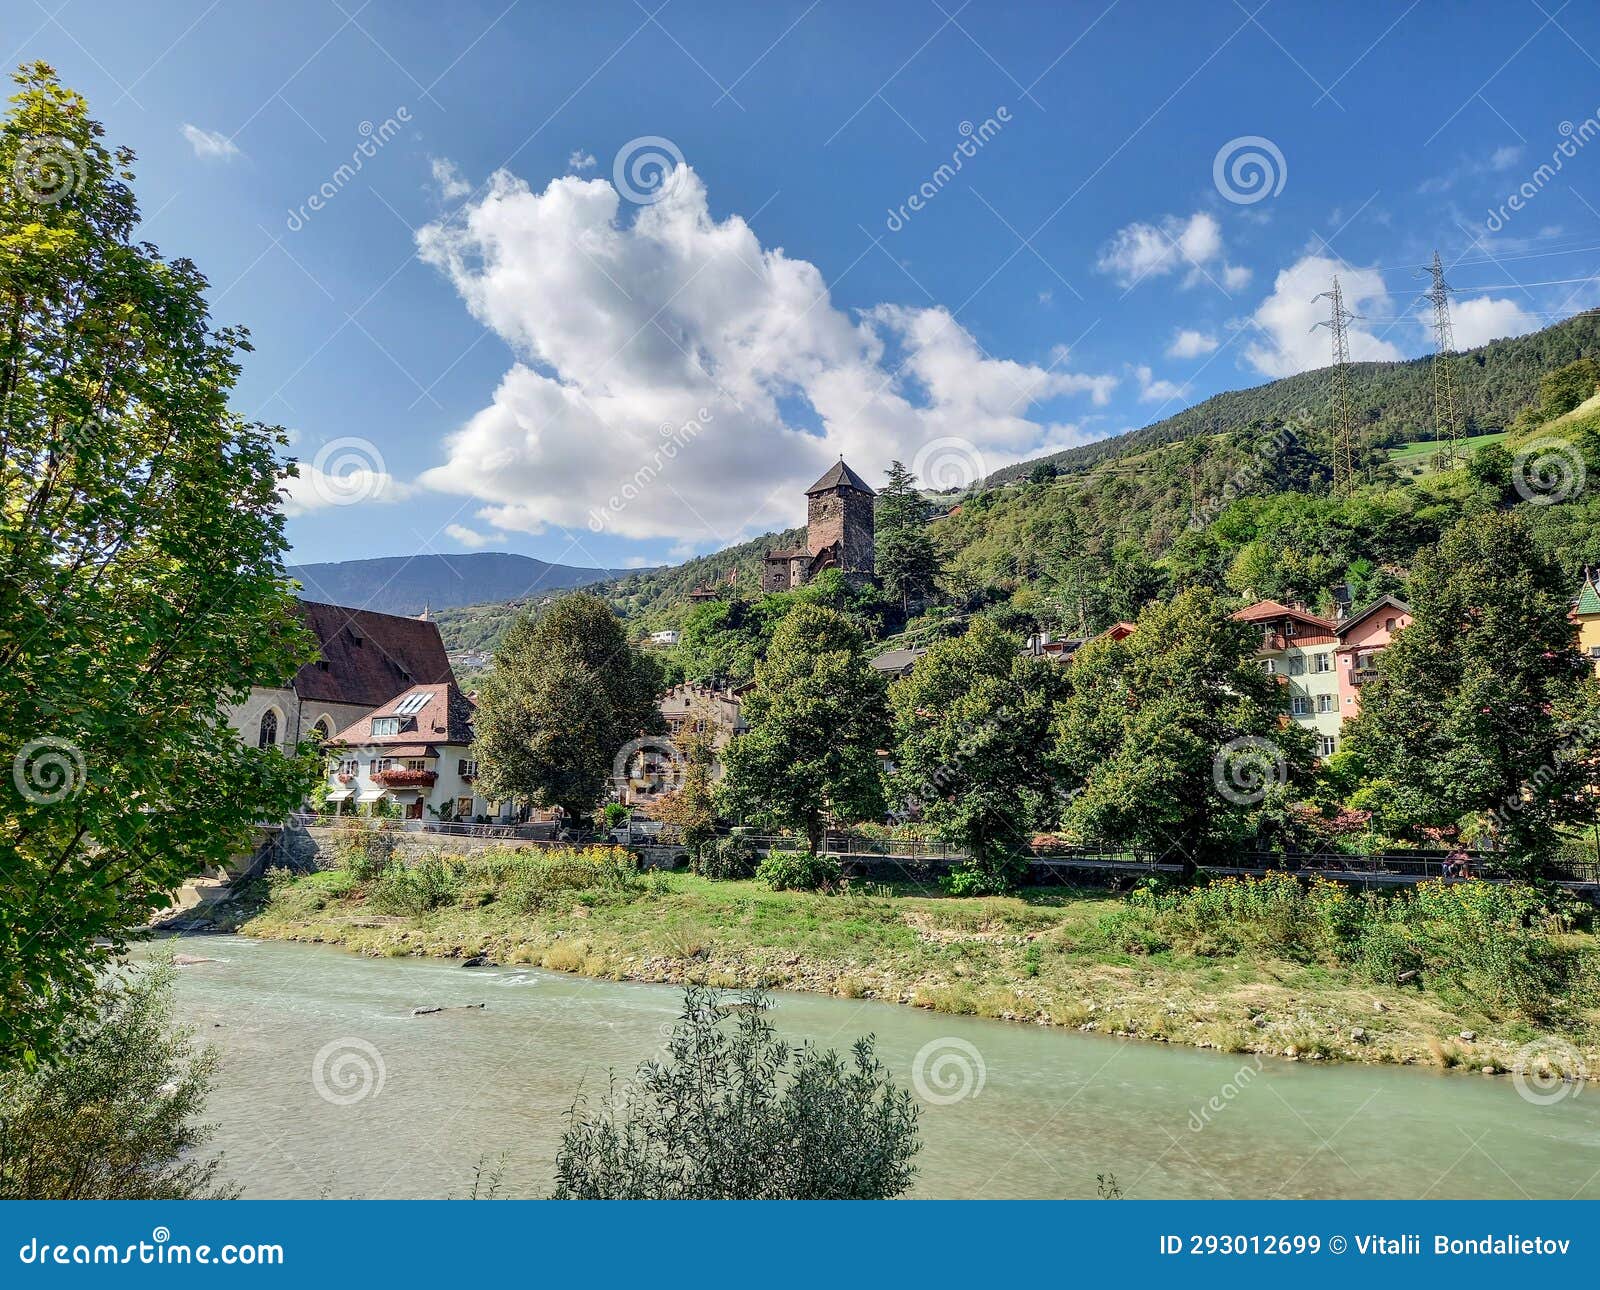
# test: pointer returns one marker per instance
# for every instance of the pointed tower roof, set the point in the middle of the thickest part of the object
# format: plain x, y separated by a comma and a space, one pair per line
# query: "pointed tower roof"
840, 476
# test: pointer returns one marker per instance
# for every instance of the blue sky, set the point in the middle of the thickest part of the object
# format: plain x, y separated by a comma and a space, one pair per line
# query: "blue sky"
488, 347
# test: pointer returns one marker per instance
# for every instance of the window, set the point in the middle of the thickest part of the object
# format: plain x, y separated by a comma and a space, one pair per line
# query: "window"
380, 764
466, 768
267, 736
1594, 651
416, 763
463, 807
413, 704
323, 730
1322, 662
1388, 624
385, 725
349, 766
1269, 666
1300, 706
1325, 703
1288, 627
1327, 746
1297, 665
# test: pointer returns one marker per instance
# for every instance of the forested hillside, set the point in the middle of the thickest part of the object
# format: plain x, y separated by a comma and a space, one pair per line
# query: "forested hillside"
1233, 494
1394, 401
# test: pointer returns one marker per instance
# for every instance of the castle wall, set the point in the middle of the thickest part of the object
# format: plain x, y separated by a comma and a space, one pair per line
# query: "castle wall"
842, 516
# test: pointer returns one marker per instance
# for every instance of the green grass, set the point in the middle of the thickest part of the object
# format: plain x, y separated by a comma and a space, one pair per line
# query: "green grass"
1416, 458
1057, 956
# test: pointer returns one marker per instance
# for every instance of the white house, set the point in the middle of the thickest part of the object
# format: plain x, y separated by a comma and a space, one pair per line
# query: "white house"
416, 752
664, 638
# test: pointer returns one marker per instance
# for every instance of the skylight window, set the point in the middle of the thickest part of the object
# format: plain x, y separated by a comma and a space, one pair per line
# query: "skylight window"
413, 704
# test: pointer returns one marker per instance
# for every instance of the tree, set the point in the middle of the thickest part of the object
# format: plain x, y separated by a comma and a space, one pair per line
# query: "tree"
1173, 740
1044, 473
1483, 704
906, 559
817, 718
115, 1114
691, 807
141, 579
567, 693
1566, 387
973, 744
742, 1116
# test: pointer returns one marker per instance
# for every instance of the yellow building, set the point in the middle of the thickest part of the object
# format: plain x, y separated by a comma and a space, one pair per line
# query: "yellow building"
1586, 613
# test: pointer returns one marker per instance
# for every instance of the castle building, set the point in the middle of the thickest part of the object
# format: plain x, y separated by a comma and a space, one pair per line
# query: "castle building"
838, 534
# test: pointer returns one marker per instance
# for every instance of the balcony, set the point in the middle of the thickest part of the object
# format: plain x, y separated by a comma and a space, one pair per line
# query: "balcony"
1363, 675
406, 778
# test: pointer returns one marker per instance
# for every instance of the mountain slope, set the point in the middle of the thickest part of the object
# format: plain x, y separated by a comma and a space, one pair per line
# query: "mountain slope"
410, 584
1393, 401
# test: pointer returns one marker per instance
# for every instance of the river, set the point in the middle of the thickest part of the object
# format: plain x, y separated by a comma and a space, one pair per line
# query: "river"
330, 1087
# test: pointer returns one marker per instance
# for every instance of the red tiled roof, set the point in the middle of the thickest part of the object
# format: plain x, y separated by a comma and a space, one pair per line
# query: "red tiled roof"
446, 718
1266, 610
368, 658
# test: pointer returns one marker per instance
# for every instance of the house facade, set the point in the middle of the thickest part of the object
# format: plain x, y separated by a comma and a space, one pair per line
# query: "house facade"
1299, 649
414, 752
363, 659
1586, 617
1362, 637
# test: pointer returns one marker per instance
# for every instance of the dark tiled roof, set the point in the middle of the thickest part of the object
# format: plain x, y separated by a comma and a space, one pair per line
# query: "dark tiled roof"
798, 553
446, 718
841, 476
896, 660
368, 658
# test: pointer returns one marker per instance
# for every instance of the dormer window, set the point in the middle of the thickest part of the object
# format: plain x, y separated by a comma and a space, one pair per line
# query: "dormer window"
385, 726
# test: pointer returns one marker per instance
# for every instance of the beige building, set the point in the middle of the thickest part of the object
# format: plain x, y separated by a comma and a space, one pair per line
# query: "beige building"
1300, 649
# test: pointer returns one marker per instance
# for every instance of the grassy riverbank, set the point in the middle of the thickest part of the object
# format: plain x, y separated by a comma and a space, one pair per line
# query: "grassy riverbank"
1090, 959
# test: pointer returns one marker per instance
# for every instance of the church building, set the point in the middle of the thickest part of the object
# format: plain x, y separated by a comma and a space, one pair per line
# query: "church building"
838, 534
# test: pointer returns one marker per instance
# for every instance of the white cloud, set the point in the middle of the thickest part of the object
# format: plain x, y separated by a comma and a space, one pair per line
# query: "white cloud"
1505, 157
1189, 343
317, 490
469, 537
210, 145
1154, 390
579, 160
698, 403
451, 185
1480, 319
1288, 315
1140, 251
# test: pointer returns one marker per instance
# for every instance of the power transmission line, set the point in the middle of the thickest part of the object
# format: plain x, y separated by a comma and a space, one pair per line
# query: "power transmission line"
1342, 415
1446, 428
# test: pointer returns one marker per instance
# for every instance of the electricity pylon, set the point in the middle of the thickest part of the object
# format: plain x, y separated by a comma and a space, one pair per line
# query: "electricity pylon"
1446, 427
1343, 416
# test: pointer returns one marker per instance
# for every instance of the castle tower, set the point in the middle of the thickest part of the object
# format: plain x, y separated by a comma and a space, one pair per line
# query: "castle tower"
839, 524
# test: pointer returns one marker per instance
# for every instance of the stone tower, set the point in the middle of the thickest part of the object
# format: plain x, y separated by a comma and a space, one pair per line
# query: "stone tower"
839, 524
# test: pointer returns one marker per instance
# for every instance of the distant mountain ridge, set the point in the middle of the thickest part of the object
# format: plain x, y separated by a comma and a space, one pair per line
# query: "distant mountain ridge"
401, 584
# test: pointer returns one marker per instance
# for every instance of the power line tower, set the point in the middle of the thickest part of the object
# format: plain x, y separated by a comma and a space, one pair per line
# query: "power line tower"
1341, 413
1446, 427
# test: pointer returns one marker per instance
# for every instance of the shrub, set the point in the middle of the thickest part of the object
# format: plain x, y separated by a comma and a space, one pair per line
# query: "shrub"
734, 1113
367, 854
798, 871
531, 882
994, 878
416, 889
115, 1115
731, 857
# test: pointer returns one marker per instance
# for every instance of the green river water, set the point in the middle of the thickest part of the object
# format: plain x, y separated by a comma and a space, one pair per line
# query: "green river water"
330, 1087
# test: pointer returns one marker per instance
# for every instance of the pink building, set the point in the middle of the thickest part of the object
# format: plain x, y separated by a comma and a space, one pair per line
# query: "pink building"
1362, 637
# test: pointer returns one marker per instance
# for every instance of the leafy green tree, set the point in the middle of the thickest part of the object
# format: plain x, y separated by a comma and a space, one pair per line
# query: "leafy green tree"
1566, 387
735, 1113
1044, 473
141, 579
1483, 705
907, 560
973, 745
1490, 467
817, 718
567, 693
114, 1113
691, 806
1173, 740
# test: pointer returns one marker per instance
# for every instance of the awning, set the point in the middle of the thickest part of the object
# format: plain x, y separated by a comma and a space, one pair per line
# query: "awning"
339, 794
372, 794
